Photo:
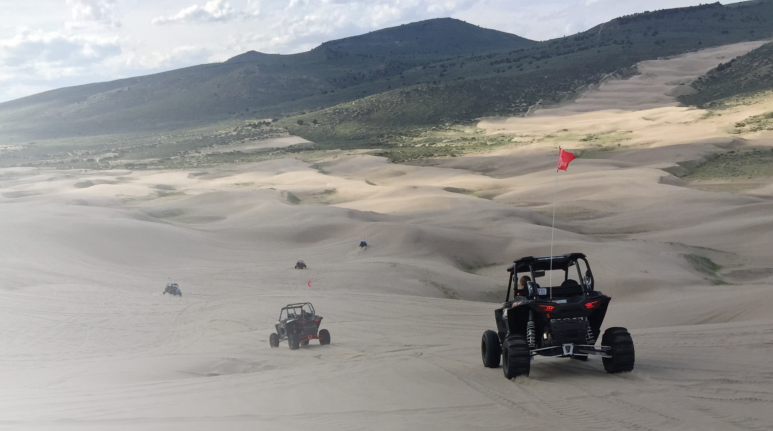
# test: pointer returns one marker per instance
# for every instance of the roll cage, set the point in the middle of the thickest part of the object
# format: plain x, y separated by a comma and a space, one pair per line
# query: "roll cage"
296, 310
536, 267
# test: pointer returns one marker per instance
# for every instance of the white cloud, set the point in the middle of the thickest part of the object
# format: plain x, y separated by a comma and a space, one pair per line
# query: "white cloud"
253, 8
101, 11
154, 61
212, 11
37, 49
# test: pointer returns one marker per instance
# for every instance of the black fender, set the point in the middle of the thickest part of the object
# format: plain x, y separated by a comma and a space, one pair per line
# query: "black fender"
517, 318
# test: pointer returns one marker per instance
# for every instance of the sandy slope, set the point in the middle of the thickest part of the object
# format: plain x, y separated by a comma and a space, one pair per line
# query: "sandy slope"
90, 342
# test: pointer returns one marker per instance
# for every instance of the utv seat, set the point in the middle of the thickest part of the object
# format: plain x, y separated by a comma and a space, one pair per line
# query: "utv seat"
568, 288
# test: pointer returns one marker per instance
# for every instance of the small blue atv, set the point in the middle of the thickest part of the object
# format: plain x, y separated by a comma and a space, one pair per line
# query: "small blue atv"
173, 289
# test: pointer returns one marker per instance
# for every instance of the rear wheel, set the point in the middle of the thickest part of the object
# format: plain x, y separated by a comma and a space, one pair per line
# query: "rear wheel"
622, 351
324, 337
274, 340
490, 349
516, 358
293, 341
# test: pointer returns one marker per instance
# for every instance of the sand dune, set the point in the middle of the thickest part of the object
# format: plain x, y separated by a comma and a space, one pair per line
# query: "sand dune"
657, 82
90, 342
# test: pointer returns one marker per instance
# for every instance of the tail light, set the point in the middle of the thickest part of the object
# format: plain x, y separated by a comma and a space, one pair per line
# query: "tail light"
546, 308
591, 305
316, 320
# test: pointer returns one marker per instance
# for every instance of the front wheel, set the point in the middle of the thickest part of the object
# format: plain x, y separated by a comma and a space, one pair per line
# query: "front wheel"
274, 340
622, 352
324, 337
516, 357
490, 349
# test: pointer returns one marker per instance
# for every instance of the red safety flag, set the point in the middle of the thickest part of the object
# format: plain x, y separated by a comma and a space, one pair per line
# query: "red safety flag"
564, 157
309, 283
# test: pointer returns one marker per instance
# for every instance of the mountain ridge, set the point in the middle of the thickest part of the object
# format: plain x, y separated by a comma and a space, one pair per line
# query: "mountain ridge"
253, 79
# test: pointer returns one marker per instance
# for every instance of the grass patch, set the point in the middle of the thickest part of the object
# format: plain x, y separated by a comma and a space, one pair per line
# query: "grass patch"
458, 190
706, 266
292, 199
702, 264
447, 140
755, 123
83, 184
170, 195
609, 138
19, 194
166, 214
319, 167
743, 164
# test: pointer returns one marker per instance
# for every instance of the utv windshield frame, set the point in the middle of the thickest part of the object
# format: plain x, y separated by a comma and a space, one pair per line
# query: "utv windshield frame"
536, 267
297, 309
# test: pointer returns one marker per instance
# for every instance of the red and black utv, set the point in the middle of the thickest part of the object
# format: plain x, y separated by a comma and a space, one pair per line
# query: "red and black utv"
299, 324
562, 320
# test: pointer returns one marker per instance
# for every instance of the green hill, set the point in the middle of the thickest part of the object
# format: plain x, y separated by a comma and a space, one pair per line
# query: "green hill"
426, 39
509, 82
742, 76
269, 84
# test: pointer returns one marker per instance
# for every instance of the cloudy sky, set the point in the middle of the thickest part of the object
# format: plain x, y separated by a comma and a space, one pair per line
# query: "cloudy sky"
47, 44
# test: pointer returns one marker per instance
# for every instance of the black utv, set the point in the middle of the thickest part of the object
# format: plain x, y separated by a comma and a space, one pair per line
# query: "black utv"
173, 289
300, 265
557, 321
299, 324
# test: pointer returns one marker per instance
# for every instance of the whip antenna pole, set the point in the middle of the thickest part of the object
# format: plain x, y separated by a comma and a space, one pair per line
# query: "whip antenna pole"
552, 227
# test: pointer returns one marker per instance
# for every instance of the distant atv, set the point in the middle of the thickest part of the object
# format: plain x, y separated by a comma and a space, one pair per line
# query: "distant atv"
173, 289
300, 265
299, 324
562, 321
363, 244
